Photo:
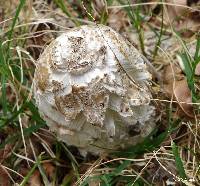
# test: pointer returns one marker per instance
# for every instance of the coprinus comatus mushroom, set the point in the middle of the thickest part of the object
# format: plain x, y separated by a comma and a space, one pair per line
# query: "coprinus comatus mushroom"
91, 87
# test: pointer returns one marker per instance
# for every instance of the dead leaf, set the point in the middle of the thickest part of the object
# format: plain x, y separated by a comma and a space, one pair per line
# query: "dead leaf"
183, 96
1, 14
160, 172
49, 169
117, 19
188, 25
4, 153
172, 73
184, 19
94, 183
197, 70
175, 85
4, 179
35, 179
99, 5
177, 11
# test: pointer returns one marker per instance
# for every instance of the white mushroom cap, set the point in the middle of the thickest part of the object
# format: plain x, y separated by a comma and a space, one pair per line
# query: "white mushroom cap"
91, 87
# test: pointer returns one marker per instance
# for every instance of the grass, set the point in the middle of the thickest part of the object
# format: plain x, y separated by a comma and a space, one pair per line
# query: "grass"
189, 64
174, 142
179, 163
136, 21
148, 145
64, 8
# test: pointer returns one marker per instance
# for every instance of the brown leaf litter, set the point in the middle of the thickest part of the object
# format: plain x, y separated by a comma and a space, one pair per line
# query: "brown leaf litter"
176, 87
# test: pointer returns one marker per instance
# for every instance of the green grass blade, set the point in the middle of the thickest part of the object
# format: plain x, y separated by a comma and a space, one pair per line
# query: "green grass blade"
67, 181
136, 21
5, 62
3, 98
14, 115
178, 161
70, 155
105, 180
4, 72
27, 177
27, 132
196, 55
188, 69
187, 65
159, 37
42, 172
10, 33
104, 14
62, 6
119, 169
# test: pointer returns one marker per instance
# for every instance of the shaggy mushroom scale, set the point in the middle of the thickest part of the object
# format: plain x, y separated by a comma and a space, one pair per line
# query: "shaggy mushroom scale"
91, 86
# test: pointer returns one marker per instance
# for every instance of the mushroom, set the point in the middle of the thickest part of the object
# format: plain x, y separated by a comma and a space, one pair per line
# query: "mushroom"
91, 87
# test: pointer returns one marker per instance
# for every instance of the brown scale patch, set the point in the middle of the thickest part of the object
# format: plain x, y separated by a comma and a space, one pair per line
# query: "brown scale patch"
102, 101
68, 105
57, 86
72, 100
68, 101
76, 43
43, 77
77, 89
102, 50
51, 50
76, 67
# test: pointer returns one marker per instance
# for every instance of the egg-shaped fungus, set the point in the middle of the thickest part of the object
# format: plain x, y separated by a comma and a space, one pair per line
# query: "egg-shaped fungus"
91, 87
